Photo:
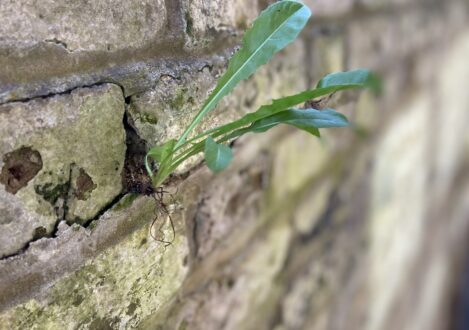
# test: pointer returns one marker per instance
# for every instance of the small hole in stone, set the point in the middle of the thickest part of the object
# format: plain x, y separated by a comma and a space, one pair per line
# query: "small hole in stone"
39, 232
20, 167
85, 185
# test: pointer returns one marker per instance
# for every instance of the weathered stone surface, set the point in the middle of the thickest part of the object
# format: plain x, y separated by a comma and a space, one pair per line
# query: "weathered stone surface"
44, 51
81, 25
95, 296
79, 140
205, 19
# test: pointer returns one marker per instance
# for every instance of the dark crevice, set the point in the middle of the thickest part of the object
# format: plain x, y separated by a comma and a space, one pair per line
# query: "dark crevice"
136, 69
66, 193
135, 178
36, 237
106, 208
58, 42
194, 251
135, 145
61, 213
66, 92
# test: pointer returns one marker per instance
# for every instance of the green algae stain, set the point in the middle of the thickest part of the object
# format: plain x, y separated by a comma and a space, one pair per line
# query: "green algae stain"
189, 24
149, 118
118, 289
125, 202
51, 192
179, 101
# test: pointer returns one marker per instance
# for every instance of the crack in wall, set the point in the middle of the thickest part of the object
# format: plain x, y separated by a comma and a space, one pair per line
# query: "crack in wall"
136, 148
65, 92
58, 42
68, 194
136, 71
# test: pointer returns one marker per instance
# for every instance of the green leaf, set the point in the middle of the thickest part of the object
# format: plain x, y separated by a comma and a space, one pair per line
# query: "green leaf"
309, 120
159, 153
275, 28
331, 83
217, 156
350, 79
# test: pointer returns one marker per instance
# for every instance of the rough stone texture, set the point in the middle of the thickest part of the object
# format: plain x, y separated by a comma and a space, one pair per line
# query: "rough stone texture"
120, 301
366, 228
81, 25
80, 140
52, 47
204, 19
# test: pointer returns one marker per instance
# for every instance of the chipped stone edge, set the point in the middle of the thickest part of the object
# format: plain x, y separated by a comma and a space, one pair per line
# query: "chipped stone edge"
29, 274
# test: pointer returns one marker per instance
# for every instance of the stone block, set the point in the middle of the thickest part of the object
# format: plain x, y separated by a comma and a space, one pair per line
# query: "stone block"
62, 158
207, 19
116, 288
81, 25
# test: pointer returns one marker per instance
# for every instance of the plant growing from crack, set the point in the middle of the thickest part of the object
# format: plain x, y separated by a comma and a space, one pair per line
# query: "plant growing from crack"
275, 28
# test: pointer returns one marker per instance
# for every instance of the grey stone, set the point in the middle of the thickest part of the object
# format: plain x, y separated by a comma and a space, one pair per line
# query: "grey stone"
207, 19
79, 141
81, 25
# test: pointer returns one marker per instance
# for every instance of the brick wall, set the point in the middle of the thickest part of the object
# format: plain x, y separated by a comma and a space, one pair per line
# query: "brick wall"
364, 229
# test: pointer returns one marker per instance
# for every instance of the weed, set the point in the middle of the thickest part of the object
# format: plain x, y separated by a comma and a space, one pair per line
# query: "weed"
275, 28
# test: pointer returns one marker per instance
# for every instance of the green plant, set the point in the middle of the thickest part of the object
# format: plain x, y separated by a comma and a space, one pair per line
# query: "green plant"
276, 27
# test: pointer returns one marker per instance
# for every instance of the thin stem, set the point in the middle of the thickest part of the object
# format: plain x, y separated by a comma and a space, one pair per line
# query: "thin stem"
199, 147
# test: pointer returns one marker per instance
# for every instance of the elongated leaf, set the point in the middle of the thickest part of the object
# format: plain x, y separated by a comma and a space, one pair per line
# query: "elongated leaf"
350, 79
217, 156
276, 27
331, 83
309, 120
159, 153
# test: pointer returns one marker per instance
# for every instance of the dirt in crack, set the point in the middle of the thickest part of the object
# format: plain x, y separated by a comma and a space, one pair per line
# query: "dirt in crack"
134, 176
20, 166
136, 180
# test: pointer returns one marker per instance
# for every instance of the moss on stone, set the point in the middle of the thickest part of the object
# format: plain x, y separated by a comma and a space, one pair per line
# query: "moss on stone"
189, 24
80, 130
148, 118
179, 101
125, 202
51, 192
118, 289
